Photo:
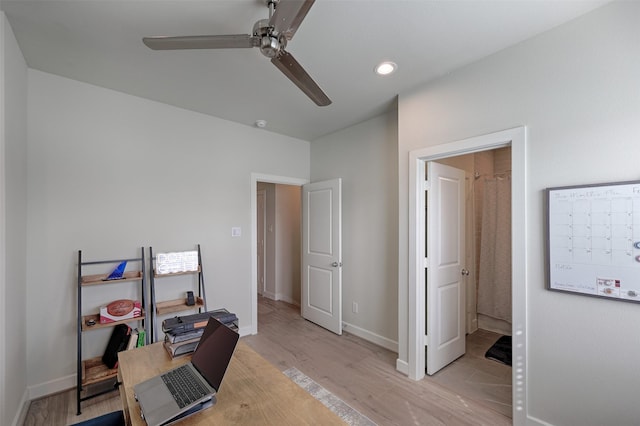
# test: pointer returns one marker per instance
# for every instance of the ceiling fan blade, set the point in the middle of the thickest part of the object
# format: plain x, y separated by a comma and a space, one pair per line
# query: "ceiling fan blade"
289, 15
229, 41
294, 71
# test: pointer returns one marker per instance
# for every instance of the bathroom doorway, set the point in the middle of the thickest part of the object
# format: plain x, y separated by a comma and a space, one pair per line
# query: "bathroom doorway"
488, 285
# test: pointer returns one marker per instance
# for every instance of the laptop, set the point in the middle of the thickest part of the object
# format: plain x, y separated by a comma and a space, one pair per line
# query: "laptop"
162, 399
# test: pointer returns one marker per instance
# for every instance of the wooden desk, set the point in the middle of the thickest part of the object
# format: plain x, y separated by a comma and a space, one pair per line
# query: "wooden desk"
253, 391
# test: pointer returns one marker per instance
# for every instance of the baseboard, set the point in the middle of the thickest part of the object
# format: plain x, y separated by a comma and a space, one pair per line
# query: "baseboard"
280, 296
402, 366
370, 337
532, 421
473, 326
52, 386
21, 415
245, 331
494, 325
288, 300
39, 391
269, 295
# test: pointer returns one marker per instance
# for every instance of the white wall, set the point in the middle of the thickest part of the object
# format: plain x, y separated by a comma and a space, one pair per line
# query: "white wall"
270, 241
13, 208
288, 244
365, 157
576, 90
109, 173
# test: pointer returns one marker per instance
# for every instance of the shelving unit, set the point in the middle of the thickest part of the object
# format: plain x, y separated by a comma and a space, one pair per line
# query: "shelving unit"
165, 307
93, 371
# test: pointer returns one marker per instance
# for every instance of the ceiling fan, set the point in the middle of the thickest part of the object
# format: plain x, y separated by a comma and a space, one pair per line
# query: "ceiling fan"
270, 35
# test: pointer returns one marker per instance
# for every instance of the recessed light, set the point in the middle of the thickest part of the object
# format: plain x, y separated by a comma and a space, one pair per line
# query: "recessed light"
386, 68
261, 123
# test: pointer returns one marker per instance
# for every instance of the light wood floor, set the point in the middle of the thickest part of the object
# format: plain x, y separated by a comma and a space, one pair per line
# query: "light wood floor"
360, 373
474, 376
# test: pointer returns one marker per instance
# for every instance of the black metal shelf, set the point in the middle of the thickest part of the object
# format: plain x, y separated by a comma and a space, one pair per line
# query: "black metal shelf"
92, 371
176, 305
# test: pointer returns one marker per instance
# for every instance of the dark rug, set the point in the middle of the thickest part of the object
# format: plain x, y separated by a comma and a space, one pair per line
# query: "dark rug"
501, 350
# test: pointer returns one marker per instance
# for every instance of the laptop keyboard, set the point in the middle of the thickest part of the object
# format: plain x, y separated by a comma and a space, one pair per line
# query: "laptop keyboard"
185, 387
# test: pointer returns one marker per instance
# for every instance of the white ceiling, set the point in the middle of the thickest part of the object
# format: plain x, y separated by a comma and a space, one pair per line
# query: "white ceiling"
339, 43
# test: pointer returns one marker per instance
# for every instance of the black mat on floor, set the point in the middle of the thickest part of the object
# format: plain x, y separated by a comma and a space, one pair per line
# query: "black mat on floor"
501, 350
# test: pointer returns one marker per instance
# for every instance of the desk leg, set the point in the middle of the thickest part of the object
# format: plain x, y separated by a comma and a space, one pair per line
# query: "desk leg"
123, 398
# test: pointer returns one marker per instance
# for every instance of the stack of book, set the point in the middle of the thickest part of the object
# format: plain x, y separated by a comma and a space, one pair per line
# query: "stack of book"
137, 338
182, 334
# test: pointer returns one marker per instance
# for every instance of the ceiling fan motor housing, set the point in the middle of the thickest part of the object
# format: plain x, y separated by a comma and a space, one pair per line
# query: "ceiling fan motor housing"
270, 43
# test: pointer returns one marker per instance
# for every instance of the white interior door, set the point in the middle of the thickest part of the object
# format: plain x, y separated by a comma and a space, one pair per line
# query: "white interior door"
322, 254
445, 265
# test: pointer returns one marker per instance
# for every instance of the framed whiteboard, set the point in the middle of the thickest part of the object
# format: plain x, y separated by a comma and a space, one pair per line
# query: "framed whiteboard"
593, 240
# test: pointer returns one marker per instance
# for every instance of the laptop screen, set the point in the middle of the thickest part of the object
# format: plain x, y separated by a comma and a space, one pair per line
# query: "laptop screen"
213, 354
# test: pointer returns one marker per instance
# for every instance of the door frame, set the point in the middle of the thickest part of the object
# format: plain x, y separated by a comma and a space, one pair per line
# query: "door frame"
516, 138
255, 178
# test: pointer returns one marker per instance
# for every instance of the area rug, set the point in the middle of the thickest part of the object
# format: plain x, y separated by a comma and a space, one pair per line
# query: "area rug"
348, 414
501, 350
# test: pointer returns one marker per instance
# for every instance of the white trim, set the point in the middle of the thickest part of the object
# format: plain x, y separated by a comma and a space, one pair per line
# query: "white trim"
255, 178
516, 138
245, 331
3, 253
287, 299
21, 415
519, 263
52, 386
534, 421
269, 294
416, 353
402, 366
370, 337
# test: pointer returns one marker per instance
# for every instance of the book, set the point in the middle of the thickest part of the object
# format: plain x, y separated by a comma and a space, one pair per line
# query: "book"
141, 338
187, 323
133, 340
224, 317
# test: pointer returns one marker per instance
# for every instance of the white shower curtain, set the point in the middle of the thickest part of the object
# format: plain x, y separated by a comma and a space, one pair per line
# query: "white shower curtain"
494, 282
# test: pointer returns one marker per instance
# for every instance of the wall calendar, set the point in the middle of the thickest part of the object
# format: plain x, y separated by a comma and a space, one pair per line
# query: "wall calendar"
593, 240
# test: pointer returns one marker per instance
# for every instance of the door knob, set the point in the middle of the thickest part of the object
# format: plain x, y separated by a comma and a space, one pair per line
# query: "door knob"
465, 272
336, 264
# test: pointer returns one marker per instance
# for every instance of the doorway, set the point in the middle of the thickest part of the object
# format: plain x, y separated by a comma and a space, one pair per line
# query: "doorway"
278, 241
417, 335
487, 279
319, 209
255, 179
488, 236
